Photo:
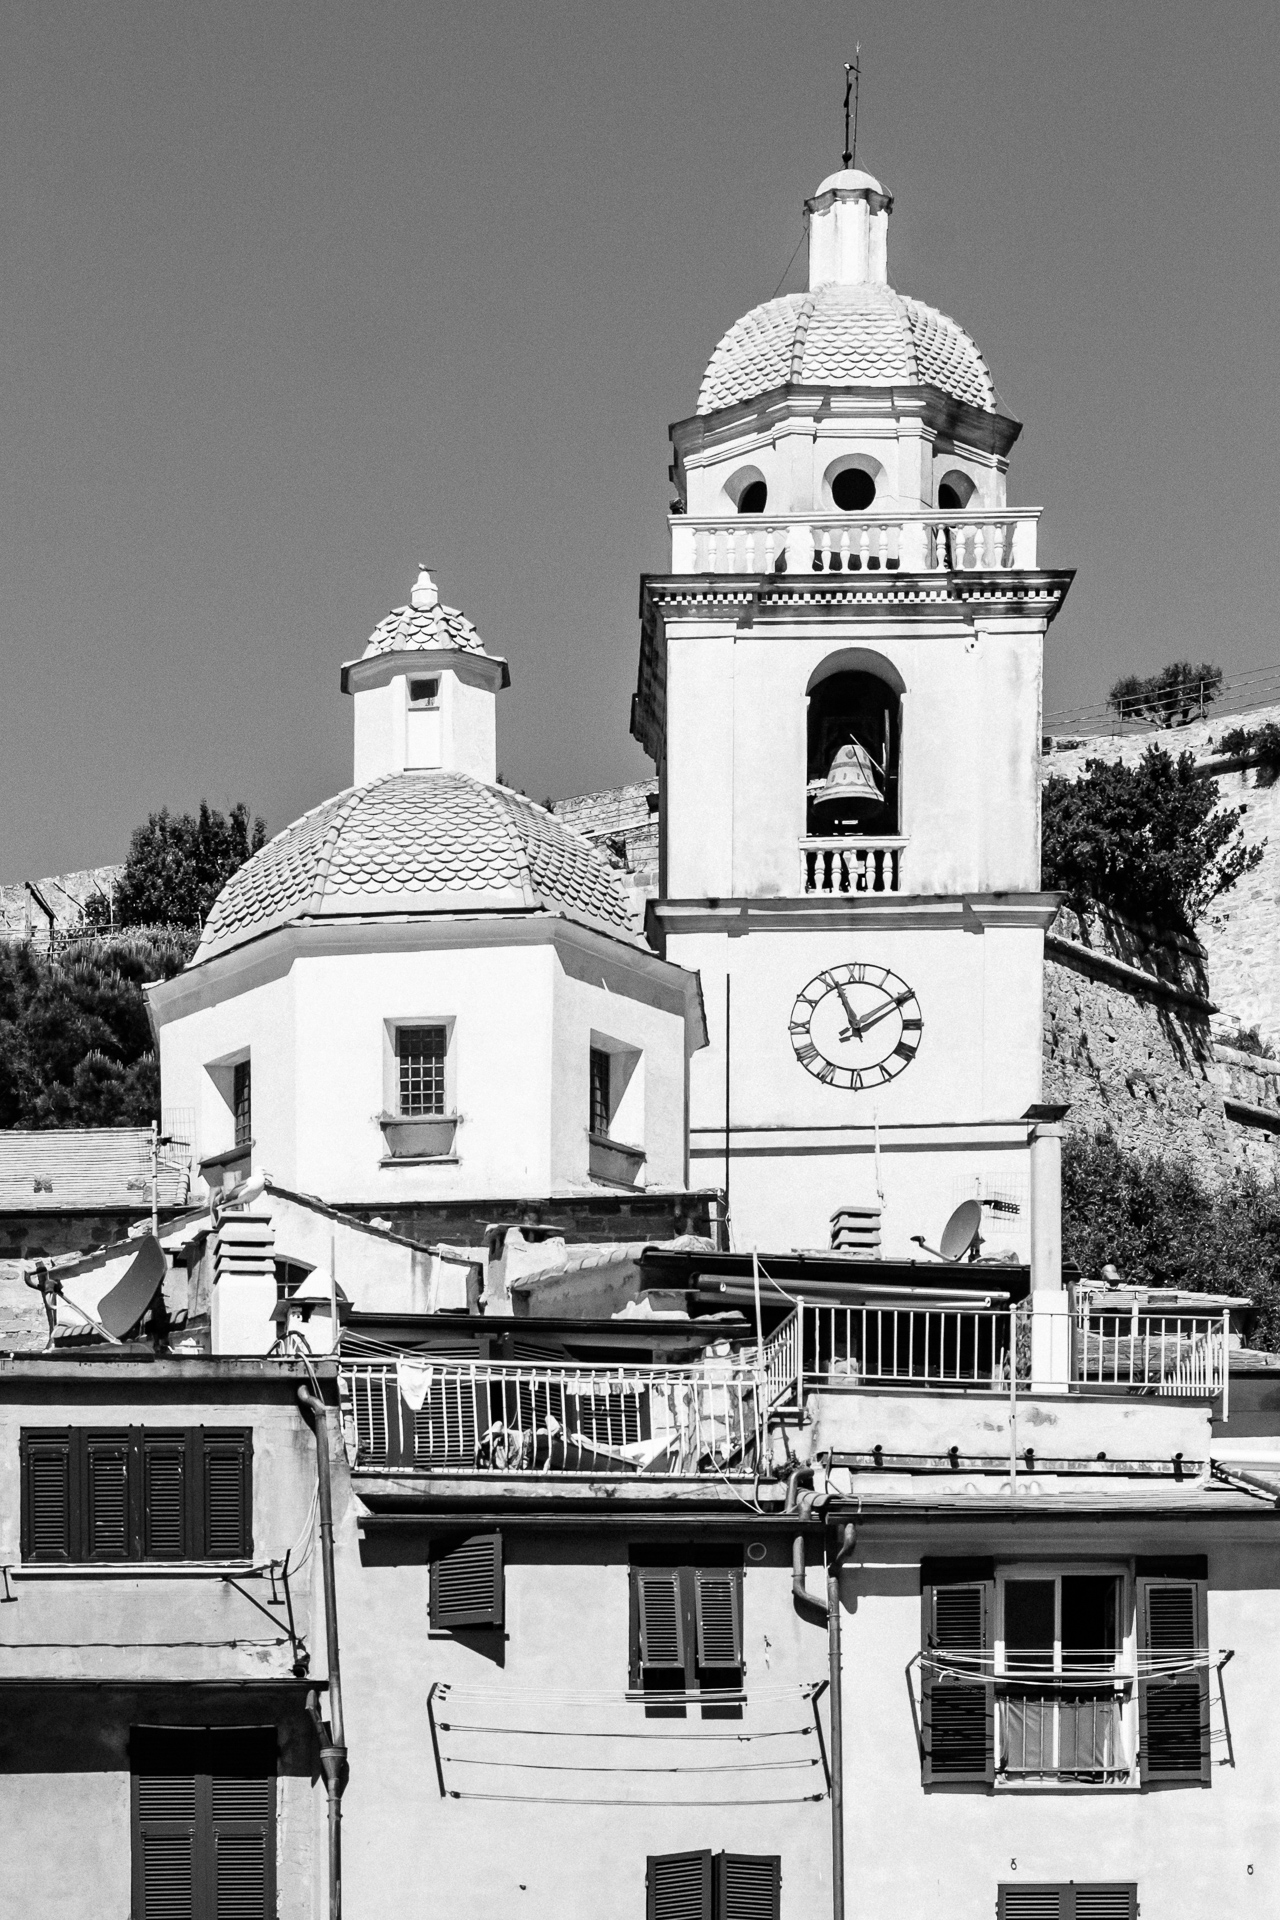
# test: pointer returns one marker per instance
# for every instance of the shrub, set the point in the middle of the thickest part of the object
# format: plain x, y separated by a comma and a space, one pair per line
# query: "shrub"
1148, 840
1162, 1225
1261, 744
1178, 693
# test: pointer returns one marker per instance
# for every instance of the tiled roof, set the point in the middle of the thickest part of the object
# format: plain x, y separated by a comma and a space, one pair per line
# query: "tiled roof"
79, 1169
417, 843
417, 628
859, 335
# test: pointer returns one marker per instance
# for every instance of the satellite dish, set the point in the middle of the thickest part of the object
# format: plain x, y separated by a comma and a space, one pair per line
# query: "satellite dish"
129, 1299
961, 1230
962, 1233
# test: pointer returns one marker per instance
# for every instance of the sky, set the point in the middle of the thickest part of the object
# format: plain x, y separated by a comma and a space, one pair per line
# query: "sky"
296, 296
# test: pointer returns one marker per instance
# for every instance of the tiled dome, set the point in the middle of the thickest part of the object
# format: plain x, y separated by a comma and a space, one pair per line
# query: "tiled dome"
418, 627
411, 844
845, 335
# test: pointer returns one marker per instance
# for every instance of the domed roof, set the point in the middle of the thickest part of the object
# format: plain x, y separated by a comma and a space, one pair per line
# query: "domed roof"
845, 334
411, 844
423, 624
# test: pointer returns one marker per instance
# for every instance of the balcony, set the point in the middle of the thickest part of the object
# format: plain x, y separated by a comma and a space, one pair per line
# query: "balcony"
920, 542
848, 866
1064, 1734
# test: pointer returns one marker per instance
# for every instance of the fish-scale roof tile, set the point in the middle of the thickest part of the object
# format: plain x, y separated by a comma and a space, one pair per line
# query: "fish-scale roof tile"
417, 842
421, 628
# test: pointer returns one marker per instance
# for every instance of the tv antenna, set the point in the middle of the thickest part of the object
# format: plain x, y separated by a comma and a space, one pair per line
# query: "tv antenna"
852, 76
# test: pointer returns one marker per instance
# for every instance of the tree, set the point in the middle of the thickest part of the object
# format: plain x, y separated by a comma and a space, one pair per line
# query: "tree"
75, 1041
177, 865
1162, 1225
1178, 693
1148, 840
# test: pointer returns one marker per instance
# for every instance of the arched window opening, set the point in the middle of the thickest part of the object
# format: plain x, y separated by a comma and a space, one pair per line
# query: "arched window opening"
754, 497
955, 491
853, 490
854, 737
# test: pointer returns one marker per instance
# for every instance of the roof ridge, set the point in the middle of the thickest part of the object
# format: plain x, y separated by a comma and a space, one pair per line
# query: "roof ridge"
804, 315
501, 807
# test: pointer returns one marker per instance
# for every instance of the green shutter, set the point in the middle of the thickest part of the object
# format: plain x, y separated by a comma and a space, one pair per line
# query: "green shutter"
1173, 1736
748, 1886
203, 1823
166, 1528
47, 1506
958, 1713
1068, 1900
661, 1618
467, 1583
717, 1599
108, 1534
678, 1886
227, 1494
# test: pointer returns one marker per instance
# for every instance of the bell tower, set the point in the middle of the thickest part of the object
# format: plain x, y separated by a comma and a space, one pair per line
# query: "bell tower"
840, 683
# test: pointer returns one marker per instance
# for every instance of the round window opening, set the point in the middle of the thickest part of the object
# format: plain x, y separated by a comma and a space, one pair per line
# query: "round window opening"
853, 490
753, 498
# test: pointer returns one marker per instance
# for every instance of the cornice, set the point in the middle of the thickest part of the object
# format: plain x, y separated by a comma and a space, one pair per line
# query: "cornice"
970, 912
769, 598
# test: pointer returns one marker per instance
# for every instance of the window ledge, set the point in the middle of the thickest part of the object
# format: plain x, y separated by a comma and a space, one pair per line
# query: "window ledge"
419, 1160
135, 1570
229, 1156
613, 1163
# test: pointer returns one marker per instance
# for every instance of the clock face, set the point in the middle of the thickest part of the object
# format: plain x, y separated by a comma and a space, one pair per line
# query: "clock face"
856, 1025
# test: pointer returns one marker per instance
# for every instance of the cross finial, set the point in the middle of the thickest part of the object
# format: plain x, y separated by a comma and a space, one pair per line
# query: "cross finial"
852, 76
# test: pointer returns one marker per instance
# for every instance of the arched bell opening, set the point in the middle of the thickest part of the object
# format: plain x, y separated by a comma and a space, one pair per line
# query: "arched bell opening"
854, 741
955, 491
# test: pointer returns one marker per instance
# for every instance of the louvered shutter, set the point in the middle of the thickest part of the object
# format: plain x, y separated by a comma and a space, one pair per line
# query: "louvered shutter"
1068, 1900
661, 1618
717, 1602
47, 1532
467, 1584
242, 1804
105, 1495
228, 1494
958, 1713
1173, 1711
165, 1494
678, 1886
748, 1886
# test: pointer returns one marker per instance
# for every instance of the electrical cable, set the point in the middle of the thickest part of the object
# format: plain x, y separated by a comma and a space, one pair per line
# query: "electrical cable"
791, 262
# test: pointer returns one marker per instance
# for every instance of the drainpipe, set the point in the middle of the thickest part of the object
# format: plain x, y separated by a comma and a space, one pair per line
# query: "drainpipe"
333, 1751
835, 1560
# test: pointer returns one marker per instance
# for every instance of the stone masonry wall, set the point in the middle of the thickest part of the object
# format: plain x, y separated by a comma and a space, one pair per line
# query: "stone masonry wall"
1240, 931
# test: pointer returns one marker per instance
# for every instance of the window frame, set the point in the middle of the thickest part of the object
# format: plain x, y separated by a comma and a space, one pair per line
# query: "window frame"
242, 1103
422, 703
392, 1026
708, 1893
1124, 1664
688, 1569
142, 1448
434, 1112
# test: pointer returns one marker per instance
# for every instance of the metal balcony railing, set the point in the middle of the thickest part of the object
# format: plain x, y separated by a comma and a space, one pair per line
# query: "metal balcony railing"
1160, 1353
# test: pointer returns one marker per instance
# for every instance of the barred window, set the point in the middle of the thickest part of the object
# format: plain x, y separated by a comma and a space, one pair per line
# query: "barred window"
420, 1056
242, 1103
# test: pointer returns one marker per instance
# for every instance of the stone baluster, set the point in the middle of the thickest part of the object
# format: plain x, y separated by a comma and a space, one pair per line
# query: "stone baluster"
884, 547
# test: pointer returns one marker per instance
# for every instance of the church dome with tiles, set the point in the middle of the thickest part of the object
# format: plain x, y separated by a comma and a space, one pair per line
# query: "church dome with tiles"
850, 328
415, 843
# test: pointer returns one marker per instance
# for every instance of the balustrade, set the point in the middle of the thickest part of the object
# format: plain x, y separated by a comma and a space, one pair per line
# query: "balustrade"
851, 866
919, 542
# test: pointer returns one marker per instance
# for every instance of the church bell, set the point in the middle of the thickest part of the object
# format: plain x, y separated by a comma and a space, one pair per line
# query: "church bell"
852, 780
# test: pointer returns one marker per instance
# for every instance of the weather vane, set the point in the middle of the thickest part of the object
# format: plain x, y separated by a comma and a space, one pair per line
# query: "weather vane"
852, 75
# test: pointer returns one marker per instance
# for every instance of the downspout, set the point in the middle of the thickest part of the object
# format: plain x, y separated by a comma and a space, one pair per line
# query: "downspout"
333, 1751
835, 1561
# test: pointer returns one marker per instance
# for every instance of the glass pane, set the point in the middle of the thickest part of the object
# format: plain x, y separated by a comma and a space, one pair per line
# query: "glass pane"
1028, 1625
420, 1052
1089, 1622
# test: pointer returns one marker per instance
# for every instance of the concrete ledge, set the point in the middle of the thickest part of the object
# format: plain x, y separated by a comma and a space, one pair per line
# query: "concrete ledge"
1101, 966
1251, 1116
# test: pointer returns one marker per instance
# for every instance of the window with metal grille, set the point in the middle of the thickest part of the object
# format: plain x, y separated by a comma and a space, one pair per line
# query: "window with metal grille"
136, 1493
420, 1063
686, 1624
713, 1886
601, 1112
203, 1816
1068, 1900
467, 1587
242, 1103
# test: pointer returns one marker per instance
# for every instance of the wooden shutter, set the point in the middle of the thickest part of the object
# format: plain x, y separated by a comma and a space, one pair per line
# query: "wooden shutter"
166, 1530
958, 1713
1068, 1900
1173, 1739
661, 1618
204, 1823
226, 1460
678, 1886
748, 1886
717, 1602
467, 1583
46, 1495
106, 1506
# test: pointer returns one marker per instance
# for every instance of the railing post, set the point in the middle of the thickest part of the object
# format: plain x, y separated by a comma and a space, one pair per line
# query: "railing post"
1226, 1364
800, 1354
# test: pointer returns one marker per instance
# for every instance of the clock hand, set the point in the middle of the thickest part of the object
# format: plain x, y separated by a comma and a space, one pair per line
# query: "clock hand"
869, 1019
855, 1025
